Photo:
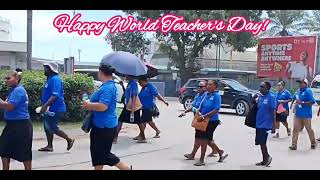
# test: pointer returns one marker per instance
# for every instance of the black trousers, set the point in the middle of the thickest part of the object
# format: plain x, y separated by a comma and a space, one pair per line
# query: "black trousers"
100, 146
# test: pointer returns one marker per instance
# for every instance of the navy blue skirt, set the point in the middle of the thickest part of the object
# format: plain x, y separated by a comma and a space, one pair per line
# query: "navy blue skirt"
16, 140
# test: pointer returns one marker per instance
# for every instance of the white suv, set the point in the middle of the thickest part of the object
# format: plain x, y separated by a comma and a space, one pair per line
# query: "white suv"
94, 73
315, 88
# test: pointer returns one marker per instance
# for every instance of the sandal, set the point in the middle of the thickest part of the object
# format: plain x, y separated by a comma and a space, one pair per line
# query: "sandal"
156, 136
199, 163
212, 154
46, 149
70, 144
142, 141
223, 157
188, 156
136, 138
262, 163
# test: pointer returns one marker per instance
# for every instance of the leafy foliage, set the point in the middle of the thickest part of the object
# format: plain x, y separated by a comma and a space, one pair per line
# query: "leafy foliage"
74, 84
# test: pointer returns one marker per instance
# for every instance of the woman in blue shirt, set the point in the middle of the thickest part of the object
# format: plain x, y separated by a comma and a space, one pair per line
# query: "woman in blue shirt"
202, 88
104, 120
16, 138
283, 97
209, 108
126, 116
147, 97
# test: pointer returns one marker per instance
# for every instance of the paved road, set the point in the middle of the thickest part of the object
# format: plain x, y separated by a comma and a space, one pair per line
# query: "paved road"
176, 139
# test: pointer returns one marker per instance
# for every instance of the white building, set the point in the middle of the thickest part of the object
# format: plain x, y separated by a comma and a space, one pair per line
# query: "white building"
5, 29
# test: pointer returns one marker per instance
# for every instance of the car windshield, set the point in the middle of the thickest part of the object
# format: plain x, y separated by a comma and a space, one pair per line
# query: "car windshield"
315, 84
235, 85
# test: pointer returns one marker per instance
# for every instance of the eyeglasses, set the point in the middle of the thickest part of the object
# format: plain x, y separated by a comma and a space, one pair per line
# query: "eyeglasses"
7, 78
261, 86
201, 86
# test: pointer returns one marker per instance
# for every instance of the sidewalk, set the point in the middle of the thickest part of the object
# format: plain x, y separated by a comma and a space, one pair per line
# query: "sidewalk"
78, 133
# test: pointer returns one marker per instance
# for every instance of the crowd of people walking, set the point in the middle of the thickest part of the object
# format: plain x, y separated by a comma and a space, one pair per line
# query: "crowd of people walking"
271, 110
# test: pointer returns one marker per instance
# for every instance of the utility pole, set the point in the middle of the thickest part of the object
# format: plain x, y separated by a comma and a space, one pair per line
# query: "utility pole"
79, 51
29, 39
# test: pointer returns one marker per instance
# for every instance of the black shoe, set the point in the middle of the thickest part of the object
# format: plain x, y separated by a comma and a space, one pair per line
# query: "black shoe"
262, 163
293, 148
313, 146
269, 161
70, 144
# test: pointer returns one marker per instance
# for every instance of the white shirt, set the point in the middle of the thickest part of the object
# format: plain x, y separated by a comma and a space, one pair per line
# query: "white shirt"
298, 70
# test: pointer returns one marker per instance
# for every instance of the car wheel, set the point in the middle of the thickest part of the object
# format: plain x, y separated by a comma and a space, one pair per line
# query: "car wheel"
187, 103
242, 108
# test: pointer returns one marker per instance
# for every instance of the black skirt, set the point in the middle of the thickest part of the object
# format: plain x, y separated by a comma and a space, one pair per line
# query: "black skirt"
146, 115
282, 117
16, 140
100, 146
208, 134
125, 116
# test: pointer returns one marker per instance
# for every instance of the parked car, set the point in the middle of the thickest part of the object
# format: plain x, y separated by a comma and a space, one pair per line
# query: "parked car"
234, 95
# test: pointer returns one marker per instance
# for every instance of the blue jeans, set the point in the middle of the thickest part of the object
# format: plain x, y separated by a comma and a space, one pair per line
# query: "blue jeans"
51, 122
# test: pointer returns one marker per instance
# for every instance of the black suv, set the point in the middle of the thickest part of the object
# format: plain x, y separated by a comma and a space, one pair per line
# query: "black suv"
233, 94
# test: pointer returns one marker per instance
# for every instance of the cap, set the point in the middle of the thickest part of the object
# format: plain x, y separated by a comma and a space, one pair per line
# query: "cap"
202, 84
304, 81
53, 67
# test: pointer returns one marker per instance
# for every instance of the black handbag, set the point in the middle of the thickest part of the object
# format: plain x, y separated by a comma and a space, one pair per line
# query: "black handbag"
87, 123
155, 111
250, 120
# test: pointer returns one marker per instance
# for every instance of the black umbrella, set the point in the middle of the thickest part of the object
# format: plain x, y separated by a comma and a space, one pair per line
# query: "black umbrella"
152, 71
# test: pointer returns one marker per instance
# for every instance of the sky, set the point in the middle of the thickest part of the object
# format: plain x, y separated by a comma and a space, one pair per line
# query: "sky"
48, 43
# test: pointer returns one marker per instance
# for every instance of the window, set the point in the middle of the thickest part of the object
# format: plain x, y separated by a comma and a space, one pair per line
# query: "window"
221, 86
315, 84
192, 83
5, 67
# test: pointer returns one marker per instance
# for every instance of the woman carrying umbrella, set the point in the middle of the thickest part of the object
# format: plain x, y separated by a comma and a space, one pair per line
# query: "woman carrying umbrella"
147, 96
130, 65
104, 121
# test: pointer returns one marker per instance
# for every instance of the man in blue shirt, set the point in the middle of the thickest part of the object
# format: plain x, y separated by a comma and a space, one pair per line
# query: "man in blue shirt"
265, 118
304, 100
53, 106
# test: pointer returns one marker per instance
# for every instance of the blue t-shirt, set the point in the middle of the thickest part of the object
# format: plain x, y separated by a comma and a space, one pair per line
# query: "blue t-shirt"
131, 89
197, 100
148, 96
106, 94
211, 101
54, 87
304, 111
284, 95
266, 106
19, 98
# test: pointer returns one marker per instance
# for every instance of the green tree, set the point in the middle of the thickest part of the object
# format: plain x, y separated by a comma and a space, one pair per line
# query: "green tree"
133, 42
185, 47
313, 22
286, 22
